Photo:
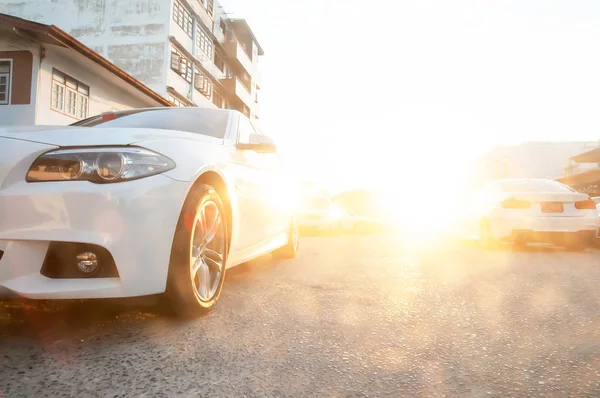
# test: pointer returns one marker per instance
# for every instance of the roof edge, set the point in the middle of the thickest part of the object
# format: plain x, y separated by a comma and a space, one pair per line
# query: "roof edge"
68, 41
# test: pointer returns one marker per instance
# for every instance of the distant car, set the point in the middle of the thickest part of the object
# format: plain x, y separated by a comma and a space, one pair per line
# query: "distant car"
141, 202
534, 210
353, 223
318, 214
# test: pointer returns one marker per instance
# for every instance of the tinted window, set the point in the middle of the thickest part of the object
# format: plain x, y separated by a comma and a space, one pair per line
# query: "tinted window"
211, 122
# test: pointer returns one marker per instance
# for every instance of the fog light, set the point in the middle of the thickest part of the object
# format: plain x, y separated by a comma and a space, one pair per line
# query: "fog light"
87, 262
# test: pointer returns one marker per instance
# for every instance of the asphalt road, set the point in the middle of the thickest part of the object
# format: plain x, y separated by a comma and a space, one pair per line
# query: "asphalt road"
351, 316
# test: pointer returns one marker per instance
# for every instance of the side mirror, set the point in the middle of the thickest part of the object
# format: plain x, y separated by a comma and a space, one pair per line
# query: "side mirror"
259, 143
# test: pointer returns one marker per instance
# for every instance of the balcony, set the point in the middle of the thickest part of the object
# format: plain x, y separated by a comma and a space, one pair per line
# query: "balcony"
236, 53
575, 169
234, 86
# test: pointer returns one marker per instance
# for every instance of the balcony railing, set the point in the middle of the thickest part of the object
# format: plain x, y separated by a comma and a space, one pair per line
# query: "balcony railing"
575, 169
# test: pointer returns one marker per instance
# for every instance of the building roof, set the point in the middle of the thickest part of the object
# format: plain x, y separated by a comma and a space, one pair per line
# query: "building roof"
51, 34
242, 23
592, 156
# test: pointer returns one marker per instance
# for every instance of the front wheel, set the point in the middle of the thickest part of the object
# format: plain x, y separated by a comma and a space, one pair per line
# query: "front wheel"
291, 248
199, 254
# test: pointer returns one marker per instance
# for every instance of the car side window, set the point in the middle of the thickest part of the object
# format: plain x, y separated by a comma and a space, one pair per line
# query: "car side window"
245, 129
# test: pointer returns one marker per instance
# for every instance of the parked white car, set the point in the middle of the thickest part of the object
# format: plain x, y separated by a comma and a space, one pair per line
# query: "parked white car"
318, 214
142, 202
354, 223
534, 210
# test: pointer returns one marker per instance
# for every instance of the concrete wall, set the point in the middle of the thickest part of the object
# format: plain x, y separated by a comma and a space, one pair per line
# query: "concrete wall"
107, 92
133, 34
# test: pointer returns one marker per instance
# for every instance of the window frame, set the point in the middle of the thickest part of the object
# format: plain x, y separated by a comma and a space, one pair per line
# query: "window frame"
179, 16
206, 86
203, 42
8, 76
183, 59
217, 96
81, 91
176, 101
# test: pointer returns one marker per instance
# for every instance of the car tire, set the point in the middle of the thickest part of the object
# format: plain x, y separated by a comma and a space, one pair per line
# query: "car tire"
291, 247
486, 240
199, 254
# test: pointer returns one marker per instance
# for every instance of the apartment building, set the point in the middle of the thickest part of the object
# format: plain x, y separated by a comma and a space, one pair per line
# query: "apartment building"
583, 172
529, 160
189, 51
47, 77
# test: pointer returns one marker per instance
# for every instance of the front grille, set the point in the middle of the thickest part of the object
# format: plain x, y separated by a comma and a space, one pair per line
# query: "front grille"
61, 261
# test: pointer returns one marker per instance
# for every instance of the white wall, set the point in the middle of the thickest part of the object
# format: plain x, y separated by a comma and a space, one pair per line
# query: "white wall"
180, 85
14, 115
133, 34
107, 92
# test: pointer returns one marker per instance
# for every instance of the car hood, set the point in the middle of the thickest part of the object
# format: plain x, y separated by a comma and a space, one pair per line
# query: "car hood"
85, 136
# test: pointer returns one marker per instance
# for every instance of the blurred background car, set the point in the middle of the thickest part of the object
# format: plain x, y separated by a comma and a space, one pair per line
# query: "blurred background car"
354, 223
319, 214
525, 211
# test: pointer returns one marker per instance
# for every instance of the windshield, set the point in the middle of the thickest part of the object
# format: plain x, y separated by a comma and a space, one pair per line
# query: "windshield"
211, 122
317, 203
533, 186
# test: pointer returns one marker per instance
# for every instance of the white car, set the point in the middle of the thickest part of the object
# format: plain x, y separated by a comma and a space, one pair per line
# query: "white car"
318, 214
354, 223
534, 210
143, 202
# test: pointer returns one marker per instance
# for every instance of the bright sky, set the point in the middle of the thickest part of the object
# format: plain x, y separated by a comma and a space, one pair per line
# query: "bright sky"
409, 90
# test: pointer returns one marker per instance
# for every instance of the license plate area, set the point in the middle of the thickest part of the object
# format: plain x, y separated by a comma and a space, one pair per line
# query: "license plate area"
552, 207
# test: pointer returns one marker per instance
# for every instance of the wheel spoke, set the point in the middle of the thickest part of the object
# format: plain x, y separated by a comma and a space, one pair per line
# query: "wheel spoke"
202, 279
213, 259
211, 231
207, 251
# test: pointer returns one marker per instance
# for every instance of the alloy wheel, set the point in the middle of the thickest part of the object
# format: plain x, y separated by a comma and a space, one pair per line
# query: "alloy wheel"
207, 251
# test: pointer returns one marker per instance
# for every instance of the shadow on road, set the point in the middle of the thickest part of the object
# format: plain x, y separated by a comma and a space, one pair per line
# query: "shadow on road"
508, 247
51, 320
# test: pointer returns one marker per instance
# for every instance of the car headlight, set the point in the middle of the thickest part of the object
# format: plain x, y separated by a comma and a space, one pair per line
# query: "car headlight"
98, 165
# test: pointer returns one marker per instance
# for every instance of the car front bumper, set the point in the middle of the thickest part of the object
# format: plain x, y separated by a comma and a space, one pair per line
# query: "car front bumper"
134, 221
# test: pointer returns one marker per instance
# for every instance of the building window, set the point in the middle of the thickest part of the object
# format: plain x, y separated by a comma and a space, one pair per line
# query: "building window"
203, 42
219, 63
5, 69
223, 27
175, 100
210, 7
218, 100
181, 65
202, 83
183, 18
69, 96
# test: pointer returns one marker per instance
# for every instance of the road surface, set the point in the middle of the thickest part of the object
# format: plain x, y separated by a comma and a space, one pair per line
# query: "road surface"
352, 316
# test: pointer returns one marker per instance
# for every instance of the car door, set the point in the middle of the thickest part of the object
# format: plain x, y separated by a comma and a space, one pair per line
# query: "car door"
249, 185
281, 195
